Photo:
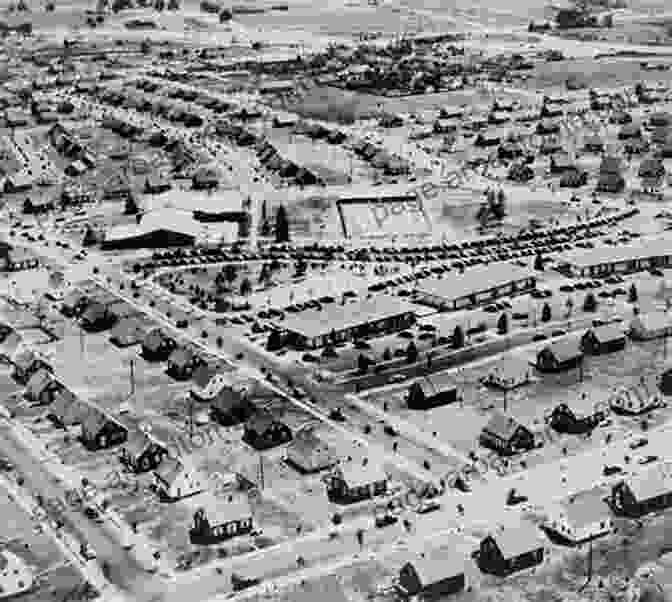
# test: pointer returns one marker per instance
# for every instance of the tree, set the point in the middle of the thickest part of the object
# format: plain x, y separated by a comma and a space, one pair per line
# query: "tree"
633, 295
173, 4
230, 273
90, 237
145, 46
362, 364
281, 225
590, 302
546, 314
360, 537
458, 337
225, 16
387, 354
539, 262
131, 207
503, 324
245, 287
264, 274
274, 341
412, 353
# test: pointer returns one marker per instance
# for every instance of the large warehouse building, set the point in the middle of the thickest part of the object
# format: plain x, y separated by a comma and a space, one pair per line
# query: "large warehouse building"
336, 323
637, 257
476, 286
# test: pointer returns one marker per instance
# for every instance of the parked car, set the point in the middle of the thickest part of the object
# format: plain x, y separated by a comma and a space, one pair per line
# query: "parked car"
427, 506
647, 459
610, 470
639, 442
92, 514
385, 520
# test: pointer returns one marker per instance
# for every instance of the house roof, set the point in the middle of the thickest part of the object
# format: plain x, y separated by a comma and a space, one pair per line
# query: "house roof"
564, 350
501, 425
154, 339
38, 382
94, 421
607, 333
585, 508
653, 321
95, 311
319, 322
611, 165
437, 565
435, 384
127, 329
308, 445
510, 368
356, 474
261, 421
651, 483
474, 280
137, 442
219, 510
182, 356
203, 374
519, 539
24, 357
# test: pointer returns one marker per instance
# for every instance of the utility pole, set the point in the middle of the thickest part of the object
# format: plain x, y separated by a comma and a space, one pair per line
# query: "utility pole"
506, 399
261, 471
589, 575
132, 375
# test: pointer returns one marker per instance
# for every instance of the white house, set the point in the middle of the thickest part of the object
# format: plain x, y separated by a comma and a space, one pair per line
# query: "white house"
580, 518
509, 373
208, 384
641, 397
652, 325
177, 479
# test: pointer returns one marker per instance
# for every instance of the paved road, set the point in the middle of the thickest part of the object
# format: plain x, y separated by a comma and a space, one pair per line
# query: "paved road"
124, 572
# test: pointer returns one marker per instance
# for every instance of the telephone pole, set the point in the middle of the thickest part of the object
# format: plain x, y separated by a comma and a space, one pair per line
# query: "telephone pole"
132, 375
261, 471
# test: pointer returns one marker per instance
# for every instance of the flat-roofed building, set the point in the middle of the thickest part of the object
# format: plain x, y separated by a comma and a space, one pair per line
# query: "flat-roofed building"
336, 323
603, 261
582, 517
476, 286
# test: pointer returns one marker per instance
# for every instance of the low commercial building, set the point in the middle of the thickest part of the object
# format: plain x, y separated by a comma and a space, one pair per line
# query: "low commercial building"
643, 493
432, 575
476, 286
511, 550
604, 261
582, 517
334, 323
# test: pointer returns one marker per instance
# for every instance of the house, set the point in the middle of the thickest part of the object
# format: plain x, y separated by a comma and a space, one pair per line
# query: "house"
74, 303
485, 139
665, 382
102, 431
155, 184
603, 339
427, 393
308, 453
629, 131
37, 206
42, 387
17, 260
643, 493
582, 517
432, 575
652, 169
182, 363
177, 479
207, 382
505, 435
205, 178
19, 181
559, 356
561, 163
263, 431
563, 420
221, 519
355, 482
26, 362
636, 399
512, 549
651, 325
509, 373
117, 188
141, 453
232, 406
127, 332
593, 144
97, 317
157, 346
610, 182
66, 409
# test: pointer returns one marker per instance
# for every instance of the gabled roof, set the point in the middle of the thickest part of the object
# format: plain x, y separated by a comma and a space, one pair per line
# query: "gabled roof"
93, 422
607, 333
653, 321
261, 421
220, 510
651, 483
585, 508
182, 356
127, 329
356, 474
202, 375
501, 425
38, 382
518, 539
564, 350
154, 339
437, 565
